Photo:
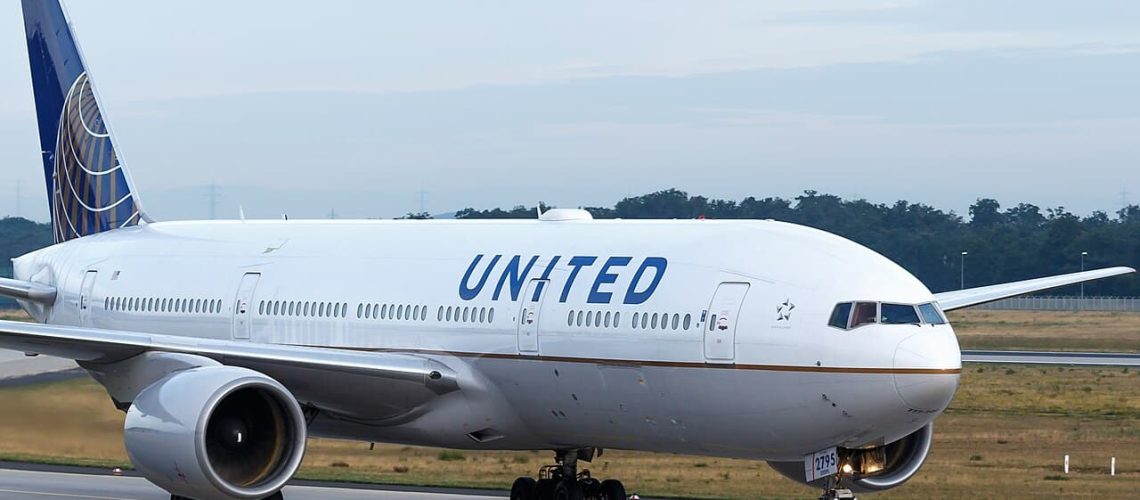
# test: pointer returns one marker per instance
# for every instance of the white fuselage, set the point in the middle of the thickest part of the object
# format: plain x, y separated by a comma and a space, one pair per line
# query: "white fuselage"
736, 357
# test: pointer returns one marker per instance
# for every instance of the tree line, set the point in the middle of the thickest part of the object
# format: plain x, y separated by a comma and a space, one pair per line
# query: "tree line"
1004, 244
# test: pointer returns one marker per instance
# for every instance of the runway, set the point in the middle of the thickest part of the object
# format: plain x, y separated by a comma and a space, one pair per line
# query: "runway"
25, 484
15, 365
1053, 358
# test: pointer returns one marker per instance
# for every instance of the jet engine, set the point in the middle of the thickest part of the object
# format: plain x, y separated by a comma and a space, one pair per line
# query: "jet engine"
872, 469
216, 432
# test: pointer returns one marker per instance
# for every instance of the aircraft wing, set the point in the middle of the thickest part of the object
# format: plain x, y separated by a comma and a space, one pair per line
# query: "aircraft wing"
958, 299
1053, 358
314, 375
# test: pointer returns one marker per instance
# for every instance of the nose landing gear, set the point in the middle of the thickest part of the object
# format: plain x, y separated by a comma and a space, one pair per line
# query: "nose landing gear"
563, 481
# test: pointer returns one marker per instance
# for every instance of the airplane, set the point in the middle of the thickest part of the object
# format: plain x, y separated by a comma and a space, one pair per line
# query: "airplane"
228, 343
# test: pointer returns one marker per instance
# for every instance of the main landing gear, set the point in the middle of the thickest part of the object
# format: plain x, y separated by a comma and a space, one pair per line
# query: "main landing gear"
563, 481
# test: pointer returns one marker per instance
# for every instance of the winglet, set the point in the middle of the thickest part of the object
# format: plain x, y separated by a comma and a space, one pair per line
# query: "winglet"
958, 299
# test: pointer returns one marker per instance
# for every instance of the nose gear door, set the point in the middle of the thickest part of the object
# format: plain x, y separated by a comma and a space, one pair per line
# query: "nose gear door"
720, 333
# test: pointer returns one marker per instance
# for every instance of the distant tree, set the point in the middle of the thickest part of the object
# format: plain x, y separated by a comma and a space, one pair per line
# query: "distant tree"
416, 216
986, 213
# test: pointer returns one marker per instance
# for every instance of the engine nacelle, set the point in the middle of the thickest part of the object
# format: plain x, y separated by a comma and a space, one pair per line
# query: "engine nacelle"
872, 469
216, 432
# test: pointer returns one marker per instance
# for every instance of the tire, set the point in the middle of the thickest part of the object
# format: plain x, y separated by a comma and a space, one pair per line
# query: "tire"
545, 489
525, 488
591, 487
612, 489
568, 490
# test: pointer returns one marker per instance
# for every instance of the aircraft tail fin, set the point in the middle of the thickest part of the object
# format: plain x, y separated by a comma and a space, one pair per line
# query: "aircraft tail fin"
89, 189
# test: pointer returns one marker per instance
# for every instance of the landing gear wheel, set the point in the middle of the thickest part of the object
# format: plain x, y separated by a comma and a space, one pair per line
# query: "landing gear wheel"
545, 489
568, 490
590, 487
612, 489
525, 488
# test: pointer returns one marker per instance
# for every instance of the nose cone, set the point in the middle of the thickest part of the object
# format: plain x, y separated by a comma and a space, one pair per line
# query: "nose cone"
927, 366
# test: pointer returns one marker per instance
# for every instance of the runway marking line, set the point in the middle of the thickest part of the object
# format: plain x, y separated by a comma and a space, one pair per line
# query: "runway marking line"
61, 495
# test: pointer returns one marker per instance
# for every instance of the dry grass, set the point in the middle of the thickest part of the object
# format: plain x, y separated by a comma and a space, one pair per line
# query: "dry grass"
1060, 331
13, 315
1004, 437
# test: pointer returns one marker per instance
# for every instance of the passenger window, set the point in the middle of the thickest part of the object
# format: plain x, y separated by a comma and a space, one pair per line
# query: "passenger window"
688, 321
653, 321
589, 318
899, 314
644, 320
578, 321
840, 315
931, 315
609, 316
491, 315
676, 320
865, 313
617, 319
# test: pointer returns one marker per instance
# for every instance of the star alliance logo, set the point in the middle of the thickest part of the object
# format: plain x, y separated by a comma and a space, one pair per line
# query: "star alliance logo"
784, 310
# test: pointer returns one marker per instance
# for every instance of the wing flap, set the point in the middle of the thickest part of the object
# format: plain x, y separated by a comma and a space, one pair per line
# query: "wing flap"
959, 299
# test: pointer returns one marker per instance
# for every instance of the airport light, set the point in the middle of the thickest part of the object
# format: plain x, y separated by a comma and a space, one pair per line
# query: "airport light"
1083, 254
962, 268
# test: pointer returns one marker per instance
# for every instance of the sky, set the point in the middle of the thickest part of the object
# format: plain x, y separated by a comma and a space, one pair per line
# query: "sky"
374, 109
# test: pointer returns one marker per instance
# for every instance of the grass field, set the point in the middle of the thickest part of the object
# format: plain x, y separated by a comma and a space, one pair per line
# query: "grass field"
1057, 331
1003, 437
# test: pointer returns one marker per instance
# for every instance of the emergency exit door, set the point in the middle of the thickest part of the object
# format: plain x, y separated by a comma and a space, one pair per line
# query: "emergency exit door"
724, 313
529, 312
243, 306
85, 292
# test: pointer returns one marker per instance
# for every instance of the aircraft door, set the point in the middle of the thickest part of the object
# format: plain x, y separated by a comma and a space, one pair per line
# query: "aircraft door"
529, 311
85, 297
243, 306
724, 313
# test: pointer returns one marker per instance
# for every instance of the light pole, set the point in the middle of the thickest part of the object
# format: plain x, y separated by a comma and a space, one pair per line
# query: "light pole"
1083, 254
962, 269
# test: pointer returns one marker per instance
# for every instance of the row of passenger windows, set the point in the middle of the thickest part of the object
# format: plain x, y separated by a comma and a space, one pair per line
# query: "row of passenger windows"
593, 319
466, 314
303, 309
163, 305
848, 315
642, 321
664, 321
391, 311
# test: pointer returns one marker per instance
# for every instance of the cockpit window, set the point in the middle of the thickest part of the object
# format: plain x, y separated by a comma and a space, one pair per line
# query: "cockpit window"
931, 315
900, 314
865, 313
839, 315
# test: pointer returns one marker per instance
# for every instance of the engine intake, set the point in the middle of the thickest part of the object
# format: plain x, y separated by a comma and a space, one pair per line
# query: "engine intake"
219, 432
873, 469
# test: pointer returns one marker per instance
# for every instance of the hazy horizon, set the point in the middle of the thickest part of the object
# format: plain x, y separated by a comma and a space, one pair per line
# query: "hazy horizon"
366, 108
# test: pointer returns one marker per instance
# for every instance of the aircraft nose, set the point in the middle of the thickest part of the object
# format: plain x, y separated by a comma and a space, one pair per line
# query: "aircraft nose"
927, 366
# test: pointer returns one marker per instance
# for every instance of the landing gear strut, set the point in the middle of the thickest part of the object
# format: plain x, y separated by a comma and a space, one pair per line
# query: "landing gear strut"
833, 492
563, 481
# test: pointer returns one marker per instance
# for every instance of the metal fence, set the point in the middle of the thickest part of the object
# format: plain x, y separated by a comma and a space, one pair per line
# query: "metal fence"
1123, 304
